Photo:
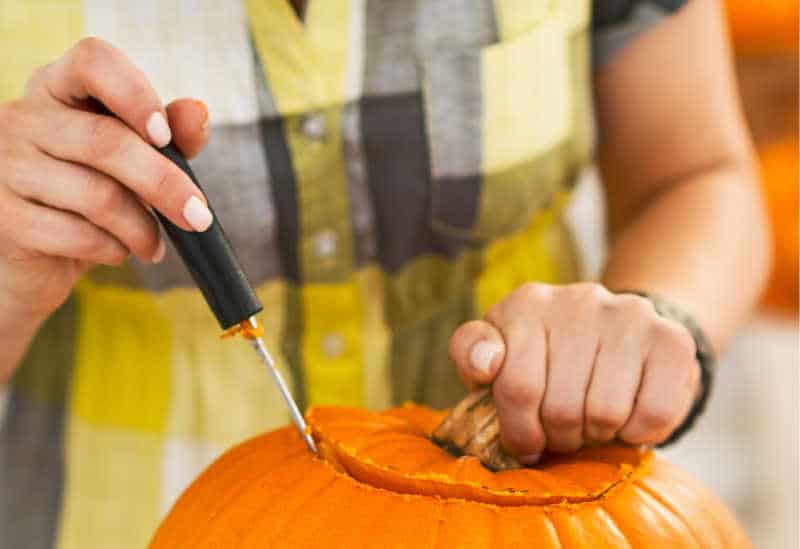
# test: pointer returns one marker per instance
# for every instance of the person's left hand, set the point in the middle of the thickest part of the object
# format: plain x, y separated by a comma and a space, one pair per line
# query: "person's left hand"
575, 364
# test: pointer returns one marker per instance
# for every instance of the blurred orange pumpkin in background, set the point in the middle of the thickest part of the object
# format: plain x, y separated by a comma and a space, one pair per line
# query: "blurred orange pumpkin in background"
381, 482
763, 26
765, 40
779, 172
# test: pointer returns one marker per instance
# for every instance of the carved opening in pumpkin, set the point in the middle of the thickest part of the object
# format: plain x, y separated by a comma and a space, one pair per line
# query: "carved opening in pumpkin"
393, 451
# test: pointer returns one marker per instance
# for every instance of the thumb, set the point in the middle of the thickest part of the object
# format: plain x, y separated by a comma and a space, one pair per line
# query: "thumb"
188, 120
478, 350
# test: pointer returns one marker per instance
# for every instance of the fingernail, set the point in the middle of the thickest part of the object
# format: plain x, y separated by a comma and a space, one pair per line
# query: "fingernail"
161, 250
158, 130
530, 459
197, 214
482, 354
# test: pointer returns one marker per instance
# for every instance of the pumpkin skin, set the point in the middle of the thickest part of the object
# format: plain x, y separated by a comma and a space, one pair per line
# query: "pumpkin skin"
381, 482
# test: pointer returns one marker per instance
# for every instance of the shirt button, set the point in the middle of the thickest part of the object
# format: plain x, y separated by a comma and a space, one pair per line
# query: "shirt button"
314, 126
332, 345
325, 243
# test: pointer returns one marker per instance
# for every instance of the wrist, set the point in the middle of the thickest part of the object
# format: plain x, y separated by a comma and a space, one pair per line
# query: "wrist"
17, 316
19, 306
18, 326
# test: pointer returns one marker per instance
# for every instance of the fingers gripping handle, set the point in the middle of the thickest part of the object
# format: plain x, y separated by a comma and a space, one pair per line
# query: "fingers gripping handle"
210, 260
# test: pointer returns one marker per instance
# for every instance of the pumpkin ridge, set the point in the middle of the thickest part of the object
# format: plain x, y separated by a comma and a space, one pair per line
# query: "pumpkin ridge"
294, 515
721, 521
603, 511
549, 521
666, 505
242, 487
288, 516
653, 505
438, 529
719, 531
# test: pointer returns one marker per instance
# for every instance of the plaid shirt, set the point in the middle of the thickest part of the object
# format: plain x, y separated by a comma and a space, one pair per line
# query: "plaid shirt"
385, 171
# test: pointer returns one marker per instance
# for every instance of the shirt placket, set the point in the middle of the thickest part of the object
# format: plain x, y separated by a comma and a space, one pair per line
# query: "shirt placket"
305, 67
331, 306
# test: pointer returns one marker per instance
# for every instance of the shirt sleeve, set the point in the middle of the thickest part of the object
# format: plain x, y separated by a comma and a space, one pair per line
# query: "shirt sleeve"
615, 23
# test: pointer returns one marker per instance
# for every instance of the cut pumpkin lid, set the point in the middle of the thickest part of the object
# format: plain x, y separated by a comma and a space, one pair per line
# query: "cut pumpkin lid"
392, 451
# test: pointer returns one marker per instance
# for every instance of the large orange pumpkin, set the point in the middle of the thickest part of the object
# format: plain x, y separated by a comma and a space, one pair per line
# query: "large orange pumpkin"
382, 483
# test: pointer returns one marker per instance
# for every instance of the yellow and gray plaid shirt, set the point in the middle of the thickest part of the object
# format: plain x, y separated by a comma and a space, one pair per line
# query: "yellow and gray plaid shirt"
385, 170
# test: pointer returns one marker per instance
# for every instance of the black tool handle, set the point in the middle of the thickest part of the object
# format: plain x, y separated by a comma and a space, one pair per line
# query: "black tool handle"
211, 262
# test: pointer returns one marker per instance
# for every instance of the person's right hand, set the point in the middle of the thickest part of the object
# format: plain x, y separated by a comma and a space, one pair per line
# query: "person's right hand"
75, 185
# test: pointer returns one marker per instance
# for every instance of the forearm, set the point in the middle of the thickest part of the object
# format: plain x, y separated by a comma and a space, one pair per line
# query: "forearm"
701, 243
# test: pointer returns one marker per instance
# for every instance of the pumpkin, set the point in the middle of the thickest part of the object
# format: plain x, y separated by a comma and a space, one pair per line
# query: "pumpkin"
759, 27
380, 481
779, 173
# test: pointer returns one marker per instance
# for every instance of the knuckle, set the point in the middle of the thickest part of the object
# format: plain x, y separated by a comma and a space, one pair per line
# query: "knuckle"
144, 237
106, 138
606, 416
39, 72
91, 48
36, 80
139, 84
533, 292
519, 395
90, 59
116, 256
105, 198
525, 437
562, 415
674, 338
495, 314
593, 292
656, 416
88, 244
162, 186
634, 306
168, 190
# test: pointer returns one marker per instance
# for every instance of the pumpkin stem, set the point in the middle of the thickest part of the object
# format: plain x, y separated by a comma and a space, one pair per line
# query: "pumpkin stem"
472, 428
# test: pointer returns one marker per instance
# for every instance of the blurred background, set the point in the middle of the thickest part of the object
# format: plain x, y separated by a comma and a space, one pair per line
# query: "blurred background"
746, 447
